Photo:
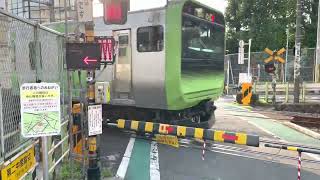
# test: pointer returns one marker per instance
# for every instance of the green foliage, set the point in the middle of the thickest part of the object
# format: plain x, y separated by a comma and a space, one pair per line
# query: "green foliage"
70, 171
106, 172
266, 21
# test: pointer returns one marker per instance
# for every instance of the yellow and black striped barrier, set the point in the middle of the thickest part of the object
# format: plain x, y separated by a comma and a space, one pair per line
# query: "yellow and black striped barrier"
293, 148
189, 132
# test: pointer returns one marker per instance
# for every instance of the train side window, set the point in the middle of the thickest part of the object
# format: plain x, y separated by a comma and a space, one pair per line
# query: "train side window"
150, 39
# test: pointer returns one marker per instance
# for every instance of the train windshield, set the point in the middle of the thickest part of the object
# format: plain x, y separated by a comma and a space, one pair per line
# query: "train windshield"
202, 37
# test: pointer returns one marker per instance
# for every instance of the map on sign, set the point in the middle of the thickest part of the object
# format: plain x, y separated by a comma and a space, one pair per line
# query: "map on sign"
40, 109
41, 122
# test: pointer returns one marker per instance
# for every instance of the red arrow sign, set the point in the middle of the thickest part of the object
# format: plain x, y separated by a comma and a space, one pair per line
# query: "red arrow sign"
87, 60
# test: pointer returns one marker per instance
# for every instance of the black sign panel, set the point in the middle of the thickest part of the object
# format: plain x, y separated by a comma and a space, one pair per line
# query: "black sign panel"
83, 56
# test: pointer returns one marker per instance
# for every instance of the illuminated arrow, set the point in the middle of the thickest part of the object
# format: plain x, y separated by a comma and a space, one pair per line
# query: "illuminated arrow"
87, 60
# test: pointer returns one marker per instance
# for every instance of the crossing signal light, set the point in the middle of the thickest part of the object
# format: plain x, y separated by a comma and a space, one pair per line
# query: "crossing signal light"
115, 11
270, 68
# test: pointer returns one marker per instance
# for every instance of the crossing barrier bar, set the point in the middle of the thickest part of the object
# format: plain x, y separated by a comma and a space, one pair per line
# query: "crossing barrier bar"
189, 132
293, 148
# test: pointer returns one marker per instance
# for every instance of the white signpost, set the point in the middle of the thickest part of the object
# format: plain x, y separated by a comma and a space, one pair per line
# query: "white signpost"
40, 115
95, 119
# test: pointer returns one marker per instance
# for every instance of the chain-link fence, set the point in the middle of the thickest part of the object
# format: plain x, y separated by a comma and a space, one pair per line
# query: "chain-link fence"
28, 53
283, 75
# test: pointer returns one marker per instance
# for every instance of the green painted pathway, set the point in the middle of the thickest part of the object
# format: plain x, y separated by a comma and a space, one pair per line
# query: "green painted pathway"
139, 166
270, 125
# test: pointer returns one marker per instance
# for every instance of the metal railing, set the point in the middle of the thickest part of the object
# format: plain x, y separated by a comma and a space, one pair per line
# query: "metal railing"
259, 74
29, 53
310, 92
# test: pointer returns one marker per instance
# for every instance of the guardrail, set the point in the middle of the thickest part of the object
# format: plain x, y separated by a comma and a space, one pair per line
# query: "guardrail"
309, 92
190, 132
28, 52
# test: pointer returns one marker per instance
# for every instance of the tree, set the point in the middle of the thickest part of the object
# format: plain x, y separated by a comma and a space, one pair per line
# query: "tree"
266, 21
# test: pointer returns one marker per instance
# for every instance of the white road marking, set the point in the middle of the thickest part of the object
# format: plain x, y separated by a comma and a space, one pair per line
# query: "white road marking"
122, 170
314, 156
154, 162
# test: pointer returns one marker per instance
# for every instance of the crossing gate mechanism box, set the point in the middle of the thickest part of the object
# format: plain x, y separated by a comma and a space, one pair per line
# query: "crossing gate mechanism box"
102, 93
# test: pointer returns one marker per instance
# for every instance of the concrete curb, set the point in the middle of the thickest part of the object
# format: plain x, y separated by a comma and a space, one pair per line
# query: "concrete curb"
302, 130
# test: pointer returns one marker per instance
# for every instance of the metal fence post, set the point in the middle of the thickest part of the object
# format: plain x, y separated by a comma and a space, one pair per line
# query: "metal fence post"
45, 162
1, 129
287, 93
303, 92
267, 92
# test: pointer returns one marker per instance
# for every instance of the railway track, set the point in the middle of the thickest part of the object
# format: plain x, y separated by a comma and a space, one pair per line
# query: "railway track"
312, 123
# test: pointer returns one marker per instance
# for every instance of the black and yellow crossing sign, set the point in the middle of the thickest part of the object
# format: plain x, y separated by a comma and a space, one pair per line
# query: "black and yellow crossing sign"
274, 55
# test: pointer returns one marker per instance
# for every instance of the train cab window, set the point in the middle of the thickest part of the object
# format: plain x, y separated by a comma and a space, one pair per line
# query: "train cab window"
150, 39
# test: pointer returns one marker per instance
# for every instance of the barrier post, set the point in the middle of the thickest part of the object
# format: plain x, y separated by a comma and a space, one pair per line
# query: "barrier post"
287, 93
266, 92
299, 165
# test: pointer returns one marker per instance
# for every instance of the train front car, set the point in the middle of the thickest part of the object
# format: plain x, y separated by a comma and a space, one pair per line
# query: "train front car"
195, 47
169, 66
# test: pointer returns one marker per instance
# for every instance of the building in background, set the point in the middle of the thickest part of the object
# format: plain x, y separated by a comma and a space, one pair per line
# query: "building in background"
42, 11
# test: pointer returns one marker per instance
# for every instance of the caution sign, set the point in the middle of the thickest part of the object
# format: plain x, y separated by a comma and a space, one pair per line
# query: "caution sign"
40, 109
246, 93
20, 166
274, 55
168, 139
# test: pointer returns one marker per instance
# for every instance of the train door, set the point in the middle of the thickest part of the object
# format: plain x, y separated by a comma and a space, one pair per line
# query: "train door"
123, 66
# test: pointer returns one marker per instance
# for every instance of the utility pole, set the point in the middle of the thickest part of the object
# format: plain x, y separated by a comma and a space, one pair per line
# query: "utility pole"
297, 59
317, 64
286, 63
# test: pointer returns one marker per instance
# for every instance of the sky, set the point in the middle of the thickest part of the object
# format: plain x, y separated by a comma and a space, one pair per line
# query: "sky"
146, 4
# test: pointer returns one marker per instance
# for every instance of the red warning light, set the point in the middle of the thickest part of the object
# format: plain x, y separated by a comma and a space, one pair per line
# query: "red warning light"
115, 11
213, 18
169, 129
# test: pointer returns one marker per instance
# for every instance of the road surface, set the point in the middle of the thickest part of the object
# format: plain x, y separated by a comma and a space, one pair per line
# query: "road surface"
138, 158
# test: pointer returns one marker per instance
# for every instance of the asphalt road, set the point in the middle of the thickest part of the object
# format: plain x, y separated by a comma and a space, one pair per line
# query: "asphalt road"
136, 158
185, 162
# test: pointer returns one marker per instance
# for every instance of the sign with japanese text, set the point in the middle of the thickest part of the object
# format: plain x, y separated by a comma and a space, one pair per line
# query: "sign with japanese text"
83, 56
40, 109
168, 140
95, 119
20, 166
84, 8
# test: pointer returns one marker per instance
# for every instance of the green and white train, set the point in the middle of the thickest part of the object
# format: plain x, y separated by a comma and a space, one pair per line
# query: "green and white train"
169, 66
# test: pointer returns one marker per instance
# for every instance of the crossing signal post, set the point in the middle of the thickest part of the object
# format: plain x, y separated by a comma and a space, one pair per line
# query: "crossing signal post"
270, 67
